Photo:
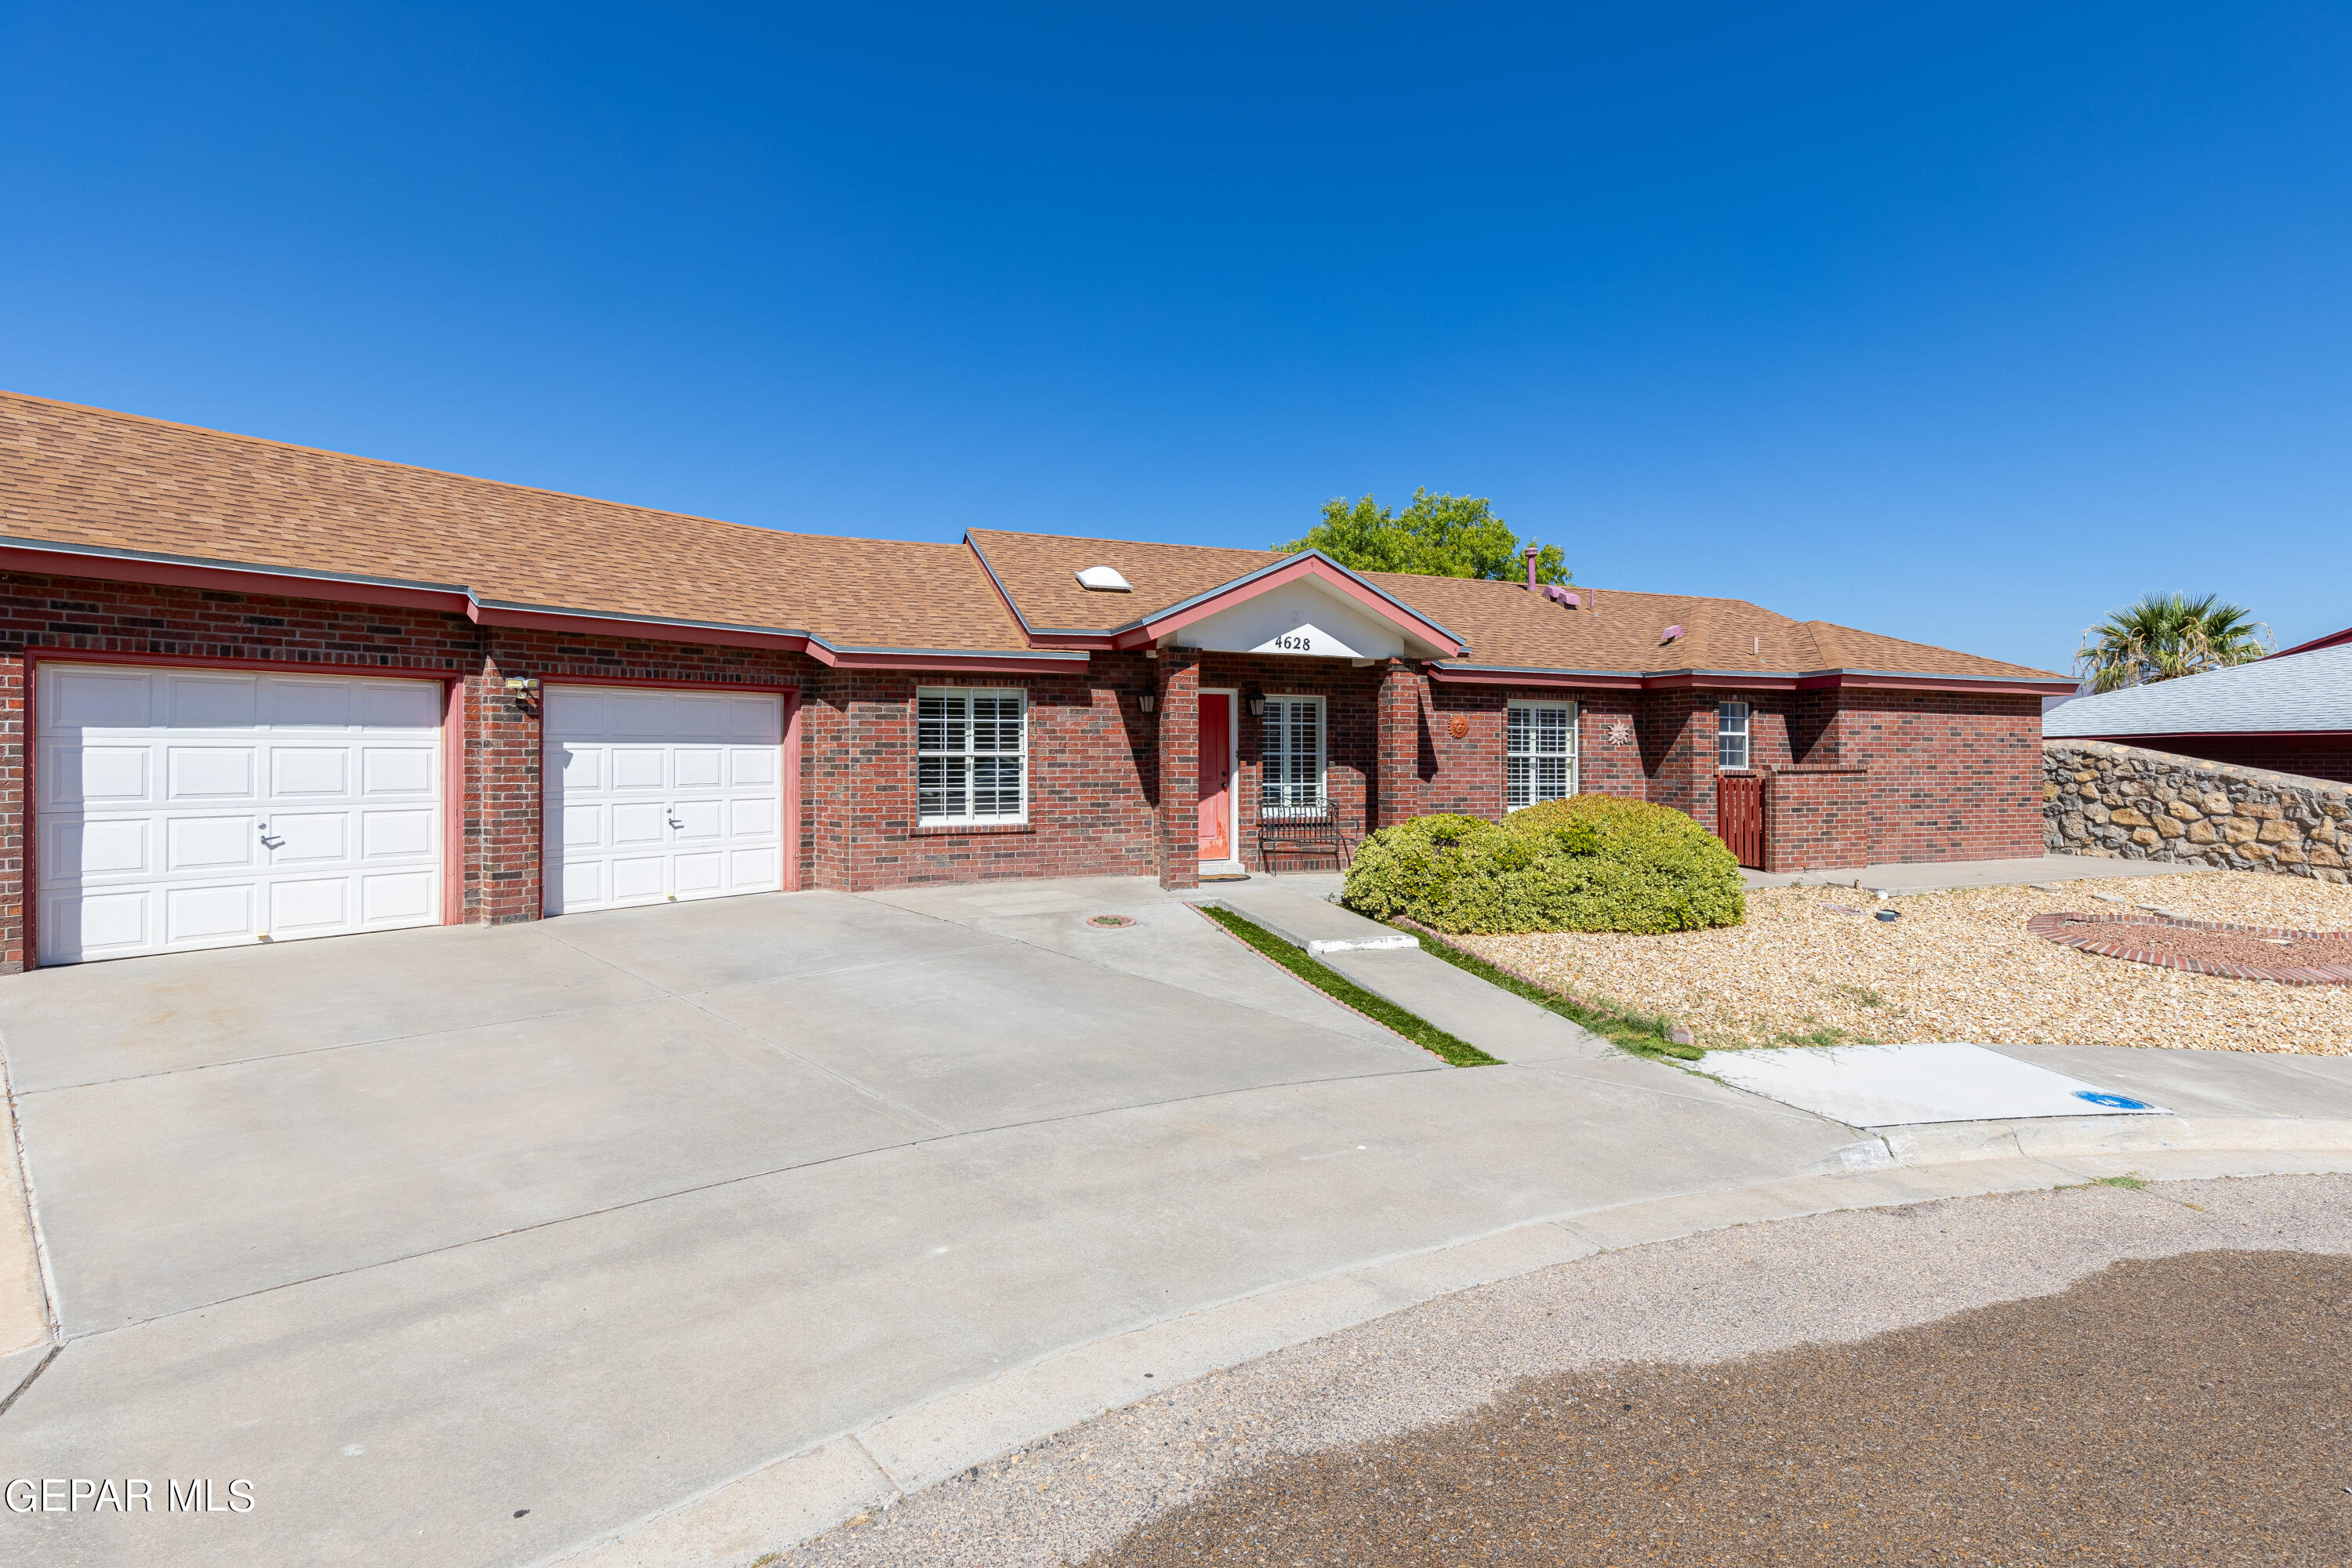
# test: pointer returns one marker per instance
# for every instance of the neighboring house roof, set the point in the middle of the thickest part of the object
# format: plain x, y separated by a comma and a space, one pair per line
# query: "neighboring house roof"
91, 492
2333, 639
108, 482
2297, 694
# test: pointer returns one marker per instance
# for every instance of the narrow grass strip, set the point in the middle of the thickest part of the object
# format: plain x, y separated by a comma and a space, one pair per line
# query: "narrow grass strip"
1643, 1033
1459, 1052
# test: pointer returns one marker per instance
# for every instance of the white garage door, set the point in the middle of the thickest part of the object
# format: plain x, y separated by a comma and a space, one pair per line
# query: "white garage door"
661, 795
188, 809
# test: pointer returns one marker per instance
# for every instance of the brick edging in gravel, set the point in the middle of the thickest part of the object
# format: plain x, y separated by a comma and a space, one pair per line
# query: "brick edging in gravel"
2054, 927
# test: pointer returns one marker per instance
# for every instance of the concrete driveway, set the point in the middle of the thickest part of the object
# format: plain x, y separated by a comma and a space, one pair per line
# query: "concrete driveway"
464, 1246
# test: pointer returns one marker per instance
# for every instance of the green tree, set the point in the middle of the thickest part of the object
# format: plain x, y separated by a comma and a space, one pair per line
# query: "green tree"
1436, 536
2166, 635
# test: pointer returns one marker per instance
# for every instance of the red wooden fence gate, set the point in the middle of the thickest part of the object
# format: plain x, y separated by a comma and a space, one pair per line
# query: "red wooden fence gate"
1740, 815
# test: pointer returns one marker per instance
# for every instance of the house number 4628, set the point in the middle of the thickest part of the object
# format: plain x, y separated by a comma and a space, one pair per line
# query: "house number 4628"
1294, 642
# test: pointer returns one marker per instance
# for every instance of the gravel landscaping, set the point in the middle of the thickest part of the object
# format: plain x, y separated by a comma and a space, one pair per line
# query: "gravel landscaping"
1811, 965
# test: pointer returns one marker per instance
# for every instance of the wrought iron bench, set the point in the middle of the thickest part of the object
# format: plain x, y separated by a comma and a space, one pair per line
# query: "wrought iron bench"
1301, 835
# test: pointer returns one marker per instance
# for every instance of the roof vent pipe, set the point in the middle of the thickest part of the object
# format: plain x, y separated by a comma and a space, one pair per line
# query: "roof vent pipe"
1530, 554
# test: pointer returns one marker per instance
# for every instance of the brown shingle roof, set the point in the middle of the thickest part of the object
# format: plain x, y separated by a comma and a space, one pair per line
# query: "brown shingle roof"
1039, 572
88, 476
1620, 631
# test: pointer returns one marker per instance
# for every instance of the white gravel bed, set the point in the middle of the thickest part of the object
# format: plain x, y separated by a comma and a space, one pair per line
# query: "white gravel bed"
1807, 968
1703, 1299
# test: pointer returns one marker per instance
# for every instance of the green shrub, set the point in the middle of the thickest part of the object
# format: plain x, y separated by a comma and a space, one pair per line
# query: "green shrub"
1593, 862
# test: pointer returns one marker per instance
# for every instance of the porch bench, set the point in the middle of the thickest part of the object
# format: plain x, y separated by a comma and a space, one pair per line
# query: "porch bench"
1301, 836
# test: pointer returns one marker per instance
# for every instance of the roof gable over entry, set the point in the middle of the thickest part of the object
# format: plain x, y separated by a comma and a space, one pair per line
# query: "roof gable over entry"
1306, 604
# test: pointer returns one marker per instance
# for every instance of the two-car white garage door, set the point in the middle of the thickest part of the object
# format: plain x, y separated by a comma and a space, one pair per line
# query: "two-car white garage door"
192, 809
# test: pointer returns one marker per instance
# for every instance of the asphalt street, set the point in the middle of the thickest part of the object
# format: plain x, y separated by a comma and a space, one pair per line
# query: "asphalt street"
2108, 1374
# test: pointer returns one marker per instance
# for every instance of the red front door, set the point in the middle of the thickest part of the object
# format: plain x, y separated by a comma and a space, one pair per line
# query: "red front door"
1216, 775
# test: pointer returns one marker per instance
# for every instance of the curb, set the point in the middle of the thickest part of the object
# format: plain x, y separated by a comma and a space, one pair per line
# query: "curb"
884, 1463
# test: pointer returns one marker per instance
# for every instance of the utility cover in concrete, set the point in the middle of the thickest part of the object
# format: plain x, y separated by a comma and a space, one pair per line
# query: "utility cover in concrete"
1887, 1086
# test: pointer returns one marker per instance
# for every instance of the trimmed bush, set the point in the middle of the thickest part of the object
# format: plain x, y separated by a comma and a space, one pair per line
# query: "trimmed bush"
1593, 862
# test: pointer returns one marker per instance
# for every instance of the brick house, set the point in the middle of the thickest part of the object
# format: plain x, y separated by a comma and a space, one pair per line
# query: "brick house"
254, 692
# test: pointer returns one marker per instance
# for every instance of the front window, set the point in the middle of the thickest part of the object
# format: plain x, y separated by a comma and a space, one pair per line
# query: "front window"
971, 756
1290, 757
1539, 753
1731, 734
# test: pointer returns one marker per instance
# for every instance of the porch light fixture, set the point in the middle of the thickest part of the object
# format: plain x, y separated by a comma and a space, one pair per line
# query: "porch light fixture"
1257, 705
1147, 701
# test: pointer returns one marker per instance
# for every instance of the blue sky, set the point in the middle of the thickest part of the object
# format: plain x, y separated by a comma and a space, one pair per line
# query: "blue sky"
1963, 324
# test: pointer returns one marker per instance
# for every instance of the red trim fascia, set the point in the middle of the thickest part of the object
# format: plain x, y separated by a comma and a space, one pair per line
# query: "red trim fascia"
1007, 663
28, 891
784, 642
225, 579
658, 631
1683, 682
789, 762
453, 804
1536, 677
1727, 681
792, 791
1307, 566
453, 777
232, 580
1991, 686
2333, 639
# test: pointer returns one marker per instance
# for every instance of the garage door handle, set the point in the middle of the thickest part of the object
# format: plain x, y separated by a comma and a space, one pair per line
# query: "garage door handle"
674, 822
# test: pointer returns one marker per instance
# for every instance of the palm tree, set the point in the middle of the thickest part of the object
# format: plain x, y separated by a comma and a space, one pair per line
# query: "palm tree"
2166, 636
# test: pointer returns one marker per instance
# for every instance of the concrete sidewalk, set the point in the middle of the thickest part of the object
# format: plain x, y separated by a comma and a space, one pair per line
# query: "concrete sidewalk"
1390, 963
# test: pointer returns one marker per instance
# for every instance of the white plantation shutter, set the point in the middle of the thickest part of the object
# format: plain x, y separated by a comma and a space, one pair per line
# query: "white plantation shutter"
1539, 753
1290, 756
971, 756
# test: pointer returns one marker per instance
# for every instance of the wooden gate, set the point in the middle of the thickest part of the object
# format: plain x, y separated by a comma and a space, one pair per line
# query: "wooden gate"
1739, 816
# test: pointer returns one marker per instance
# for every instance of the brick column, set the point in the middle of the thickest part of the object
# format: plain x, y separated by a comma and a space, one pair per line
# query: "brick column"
1180, 768
1396, 776
502, 804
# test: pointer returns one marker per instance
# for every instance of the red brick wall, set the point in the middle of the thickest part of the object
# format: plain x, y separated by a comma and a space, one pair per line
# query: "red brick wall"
1816, 817
1953, 776
1091, 773
1950, 776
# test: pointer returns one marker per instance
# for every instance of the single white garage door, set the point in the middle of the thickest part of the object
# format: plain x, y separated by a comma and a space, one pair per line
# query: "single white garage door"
188, 809
660, 796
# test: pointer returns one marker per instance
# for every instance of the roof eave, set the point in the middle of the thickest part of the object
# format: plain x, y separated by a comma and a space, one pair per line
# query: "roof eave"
109, 564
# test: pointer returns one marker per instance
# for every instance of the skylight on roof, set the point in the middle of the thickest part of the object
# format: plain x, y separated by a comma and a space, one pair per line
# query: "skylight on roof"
1104, 580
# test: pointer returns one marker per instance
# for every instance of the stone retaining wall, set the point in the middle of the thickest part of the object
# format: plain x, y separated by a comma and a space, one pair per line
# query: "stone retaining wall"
2131, 804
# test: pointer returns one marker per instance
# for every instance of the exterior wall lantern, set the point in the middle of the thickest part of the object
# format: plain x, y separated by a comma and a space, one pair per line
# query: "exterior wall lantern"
1147, 701
1258, 704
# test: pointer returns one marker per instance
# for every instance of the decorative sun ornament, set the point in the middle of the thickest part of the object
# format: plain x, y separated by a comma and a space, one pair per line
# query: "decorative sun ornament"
1620, 732
1458, 726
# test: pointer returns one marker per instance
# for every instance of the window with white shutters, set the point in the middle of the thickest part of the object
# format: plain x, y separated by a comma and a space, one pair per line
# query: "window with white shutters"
1731, 734
1539, 753
971, 756
1290, 757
